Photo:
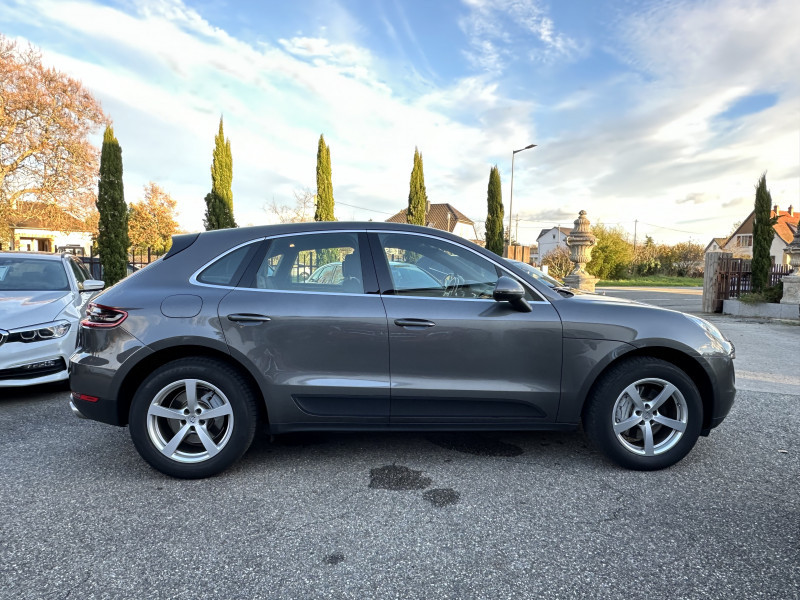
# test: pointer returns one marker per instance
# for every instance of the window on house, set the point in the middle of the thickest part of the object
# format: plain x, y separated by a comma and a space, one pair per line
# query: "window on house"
744, 241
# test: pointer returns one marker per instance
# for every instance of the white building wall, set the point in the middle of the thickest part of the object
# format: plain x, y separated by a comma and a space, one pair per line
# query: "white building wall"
550, 240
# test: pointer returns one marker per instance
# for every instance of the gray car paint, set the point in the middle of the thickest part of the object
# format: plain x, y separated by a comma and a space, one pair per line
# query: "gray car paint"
496, 354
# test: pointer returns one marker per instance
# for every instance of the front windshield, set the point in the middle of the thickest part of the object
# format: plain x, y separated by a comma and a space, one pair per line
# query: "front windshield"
537, 274
32, 274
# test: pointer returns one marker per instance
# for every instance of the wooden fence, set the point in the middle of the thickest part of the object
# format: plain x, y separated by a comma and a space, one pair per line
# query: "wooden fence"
727, 277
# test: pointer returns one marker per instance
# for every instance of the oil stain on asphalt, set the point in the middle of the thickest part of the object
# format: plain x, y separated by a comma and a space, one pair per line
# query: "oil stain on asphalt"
399, 478
394, 477
477, 445
333, 559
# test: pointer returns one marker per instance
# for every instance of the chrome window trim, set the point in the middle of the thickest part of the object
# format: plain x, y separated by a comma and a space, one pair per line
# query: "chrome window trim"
193, 278
436, 237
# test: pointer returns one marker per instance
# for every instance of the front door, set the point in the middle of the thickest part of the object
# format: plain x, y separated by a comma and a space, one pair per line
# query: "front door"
320, 343
457, 355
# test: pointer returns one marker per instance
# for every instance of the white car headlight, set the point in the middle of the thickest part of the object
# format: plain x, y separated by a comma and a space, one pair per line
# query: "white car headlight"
38, 333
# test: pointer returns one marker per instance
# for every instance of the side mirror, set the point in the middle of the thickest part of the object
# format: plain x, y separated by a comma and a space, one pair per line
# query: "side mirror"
92, 285
511, 291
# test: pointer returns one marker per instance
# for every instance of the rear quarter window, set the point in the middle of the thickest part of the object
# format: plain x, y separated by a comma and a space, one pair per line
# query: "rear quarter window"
228, 269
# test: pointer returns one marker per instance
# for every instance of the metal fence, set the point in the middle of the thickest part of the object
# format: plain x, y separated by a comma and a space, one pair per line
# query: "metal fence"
137, 259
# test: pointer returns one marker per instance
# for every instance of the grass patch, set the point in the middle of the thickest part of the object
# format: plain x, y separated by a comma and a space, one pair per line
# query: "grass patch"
653, 281
771, 295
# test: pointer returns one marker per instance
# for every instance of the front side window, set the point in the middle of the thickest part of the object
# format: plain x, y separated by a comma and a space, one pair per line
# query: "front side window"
318, 262
423, 266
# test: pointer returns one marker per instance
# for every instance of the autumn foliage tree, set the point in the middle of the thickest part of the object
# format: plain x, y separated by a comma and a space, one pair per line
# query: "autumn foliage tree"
46, 159
151, 221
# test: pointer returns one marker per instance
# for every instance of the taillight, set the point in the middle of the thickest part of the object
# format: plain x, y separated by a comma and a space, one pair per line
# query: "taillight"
98, 315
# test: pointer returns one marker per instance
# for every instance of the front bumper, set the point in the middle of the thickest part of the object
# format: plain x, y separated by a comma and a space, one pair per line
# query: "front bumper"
723, 378
34, 363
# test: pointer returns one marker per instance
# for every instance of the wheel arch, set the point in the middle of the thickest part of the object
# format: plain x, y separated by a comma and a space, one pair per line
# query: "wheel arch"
150, 363
686, 363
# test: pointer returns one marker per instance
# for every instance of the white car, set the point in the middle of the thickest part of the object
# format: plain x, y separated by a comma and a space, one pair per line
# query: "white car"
42, 297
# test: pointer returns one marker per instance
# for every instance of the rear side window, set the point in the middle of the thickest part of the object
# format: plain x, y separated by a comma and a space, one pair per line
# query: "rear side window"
227, 269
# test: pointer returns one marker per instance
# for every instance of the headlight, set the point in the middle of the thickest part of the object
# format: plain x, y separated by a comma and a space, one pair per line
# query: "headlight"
713, 333
48, 331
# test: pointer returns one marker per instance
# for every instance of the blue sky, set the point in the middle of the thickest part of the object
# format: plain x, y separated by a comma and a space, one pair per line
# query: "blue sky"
665, 112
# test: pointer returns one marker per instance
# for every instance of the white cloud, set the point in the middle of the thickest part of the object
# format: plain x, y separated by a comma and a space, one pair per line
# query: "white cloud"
496, 29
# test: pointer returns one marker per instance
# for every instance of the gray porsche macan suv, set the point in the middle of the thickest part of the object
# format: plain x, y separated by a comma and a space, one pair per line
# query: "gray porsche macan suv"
230, 329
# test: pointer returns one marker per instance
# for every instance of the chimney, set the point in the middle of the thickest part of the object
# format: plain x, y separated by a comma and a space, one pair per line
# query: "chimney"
791, 211
775, 208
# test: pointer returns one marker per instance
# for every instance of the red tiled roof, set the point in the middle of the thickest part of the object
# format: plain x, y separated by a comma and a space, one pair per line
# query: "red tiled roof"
33, 215
437, 217
786, 225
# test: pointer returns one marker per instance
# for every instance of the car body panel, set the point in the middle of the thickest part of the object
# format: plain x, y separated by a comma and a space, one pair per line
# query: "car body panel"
480, 361
319, 357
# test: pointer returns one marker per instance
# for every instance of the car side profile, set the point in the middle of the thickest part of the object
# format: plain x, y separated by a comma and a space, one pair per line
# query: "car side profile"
240, 326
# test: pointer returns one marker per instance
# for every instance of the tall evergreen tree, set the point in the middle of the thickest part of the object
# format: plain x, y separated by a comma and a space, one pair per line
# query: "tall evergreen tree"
494, 215
112, 238
324, 211
762, 235
417, 197
219, 202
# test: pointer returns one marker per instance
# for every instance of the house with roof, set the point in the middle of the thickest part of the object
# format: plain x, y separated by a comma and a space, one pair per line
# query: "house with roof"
445, 217
47, 229
550, 239
716, 244
740, 243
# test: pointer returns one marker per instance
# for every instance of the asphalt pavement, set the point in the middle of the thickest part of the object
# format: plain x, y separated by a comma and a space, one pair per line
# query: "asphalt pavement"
407, 515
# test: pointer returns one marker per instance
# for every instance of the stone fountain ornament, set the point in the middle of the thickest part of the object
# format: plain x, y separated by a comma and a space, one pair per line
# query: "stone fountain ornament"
580, 242
791, 283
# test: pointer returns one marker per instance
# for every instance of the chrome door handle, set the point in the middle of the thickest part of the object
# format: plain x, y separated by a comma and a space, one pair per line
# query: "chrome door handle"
413, 323
248, 318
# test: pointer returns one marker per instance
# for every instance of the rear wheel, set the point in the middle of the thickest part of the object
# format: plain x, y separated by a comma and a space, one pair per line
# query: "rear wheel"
644, 414
193, 418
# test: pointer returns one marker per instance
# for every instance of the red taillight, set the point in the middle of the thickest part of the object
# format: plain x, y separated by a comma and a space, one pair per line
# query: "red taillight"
77, 396
98, 315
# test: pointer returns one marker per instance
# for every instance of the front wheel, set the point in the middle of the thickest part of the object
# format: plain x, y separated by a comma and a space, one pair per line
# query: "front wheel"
644, 414
193, 418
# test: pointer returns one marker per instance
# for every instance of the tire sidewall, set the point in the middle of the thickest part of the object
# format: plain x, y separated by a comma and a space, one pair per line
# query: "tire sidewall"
229, 382
598, 421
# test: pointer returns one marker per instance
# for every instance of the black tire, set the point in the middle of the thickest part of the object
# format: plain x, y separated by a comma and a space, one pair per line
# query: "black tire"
176, 440
629, 394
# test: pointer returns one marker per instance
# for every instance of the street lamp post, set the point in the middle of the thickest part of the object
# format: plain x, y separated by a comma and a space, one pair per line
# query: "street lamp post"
511, 195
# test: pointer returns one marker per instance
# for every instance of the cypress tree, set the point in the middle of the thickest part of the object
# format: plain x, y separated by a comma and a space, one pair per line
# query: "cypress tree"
112, 237
219, 202
324, 210
417, 197
494, 216
762, 236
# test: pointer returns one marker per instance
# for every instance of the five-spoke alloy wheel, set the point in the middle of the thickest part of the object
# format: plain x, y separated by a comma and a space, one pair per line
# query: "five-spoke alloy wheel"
644, 414
193, 417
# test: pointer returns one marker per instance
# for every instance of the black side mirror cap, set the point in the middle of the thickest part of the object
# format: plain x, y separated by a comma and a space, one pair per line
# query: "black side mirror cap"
511, 291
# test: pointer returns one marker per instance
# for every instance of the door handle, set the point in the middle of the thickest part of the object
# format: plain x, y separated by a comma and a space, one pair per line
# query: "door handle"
248, 318
414, 323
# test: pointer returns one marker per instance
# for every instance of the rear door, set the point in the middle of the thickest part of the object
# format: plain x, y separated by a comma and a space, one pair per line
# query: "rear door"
321, 348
